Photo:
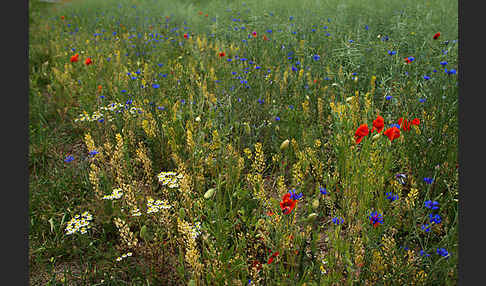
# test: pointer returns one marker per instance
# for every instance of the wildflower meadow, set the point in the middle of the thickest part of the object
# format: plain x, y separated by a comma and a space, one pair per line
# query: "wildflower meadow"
243, 142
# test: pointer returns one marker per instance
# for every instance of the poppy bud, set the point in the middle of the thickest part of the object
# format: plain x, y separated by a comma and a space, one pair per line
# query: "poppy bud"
247, 128
284, 145
144, 233
312, 217
182, 213
209, 193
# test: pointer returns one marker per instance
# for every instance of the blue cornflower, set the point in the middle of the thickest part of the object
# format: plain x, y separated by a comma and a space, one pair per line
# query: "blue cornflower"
160, 107
269, 31
426, 77
451, 71
434, 70
337, 220
391, 53
396, 125
261, 101
375, 218
102, 96
69, 158
108, 59
257, 67
422, 100
323, 190
443, 63
294, 68
291, 18
428, 180
366, 27
388, 97
423, 253
432, 205
128, 102
351, 41
442, 252
291, 107
316, 57
295, 196
93, 153
123, 90
277, 118
435, 218
426, 227
327, 34
297, 62
391, 196
183, 101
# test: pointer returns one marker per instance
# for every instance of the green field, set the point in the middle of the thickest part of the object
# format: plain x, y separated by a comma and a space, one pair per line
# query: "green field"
243, 142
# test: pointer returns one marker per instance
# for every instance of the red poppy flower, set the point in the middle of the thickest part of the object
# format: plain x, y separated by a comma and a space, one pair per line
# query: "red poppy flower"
392, 133
270, 260
265, 38
254, 34
62, 17
185, 36
206, 15
287, 204
378, 124
75, 58
222, 54
361, 132
200, 13
416, 121
88, 61
408, 60
405, 125
99, 88
436, 36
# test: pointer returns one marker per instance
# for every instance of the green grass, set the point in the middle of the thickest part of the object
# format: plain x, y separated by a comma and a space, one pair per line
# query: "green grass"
201, 121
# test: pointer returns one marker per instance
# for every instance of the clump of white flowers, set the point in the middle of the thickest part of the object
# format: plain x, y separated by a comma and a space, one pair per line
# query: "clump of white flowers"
128, 254
154, 206
115, 195
170, 179
79, 223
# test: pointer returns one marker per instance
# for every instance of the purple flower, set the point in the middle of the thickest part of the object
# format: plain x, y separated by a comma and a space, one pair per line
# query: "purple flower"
432, 205
337, 220
69, 158
323, 190
442, 252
